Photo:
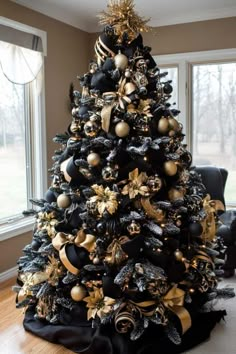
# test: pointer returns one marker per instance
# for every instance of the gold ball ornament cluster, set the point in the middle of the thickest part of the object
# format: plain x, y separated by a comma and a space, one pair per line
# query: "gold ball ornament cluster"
168, 125
78, 293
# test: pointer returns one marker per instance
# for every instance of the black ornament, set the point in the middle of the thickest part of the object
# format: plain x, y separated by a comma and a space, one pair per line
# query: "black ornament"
195, 229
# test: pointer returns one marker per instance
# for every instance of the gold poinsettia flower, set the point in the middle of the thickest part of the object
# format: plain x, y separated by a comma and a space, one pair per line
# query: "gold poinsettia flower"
136, 184
105, 199
97, 304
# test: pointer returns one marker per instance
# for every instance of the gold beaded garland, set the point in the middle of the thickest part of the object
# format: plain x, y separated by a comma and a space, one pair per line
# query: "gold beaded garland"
78, 292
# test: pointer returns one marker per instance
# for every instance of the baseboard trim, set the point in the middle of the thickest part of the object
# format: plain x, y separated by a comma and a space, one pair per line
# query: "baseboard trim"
8, 274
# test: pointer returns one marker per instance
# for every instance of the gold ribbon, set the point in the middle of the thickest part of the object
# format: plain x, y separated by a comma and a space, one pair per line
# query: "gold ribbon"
66, 262
156, 214
59, 242
107, 108
142, 307
174, 301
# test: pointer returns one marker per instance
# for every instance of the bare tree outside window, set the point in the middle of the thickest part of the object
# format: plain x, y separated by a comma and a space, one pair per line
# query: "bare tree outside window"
13, 184
214, 119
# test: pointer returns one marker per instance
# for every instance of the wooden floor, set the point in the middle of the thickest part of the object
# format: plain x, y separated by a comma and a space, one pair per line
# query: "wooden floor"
13, 338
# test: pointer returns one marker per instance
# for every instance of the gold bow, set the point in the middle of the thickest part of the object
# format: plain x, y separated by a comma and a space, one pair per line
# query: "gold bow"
59, 242
209, 223
174, 301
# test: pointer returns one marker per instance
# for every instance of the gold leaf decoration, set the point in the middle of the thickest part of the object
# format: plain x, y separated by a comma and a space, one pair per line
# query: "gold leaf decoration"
136, 184
105, 199
97, 304
121, 16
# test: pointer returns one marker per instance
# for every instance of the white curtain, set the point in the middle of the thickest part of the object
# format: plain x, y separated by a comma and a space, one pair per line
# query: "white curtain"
20, 65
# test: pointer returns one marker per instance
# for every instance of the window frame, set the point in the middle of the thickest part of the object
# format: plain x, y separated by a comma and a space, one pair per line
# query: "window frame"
38, 176
185, 62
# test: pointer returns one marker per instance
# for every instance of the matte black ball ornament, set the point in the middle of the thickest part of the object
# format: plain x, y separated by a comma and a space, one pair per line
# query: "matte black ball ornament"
195, 229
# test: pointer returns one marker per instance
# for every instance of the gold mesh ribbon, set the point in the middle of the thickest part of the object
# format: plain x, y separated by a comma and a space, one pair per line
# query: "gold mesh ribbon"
174, 301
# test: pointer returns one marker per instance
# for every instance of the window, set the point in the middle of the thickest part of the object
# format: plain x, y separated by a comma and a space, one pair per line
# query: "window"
207, 100
22, 125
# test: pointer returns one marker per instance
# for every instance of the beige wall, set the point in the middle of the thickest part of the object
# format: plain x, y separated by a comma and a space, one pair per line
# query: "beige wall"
187, 37
67, 57
69, 52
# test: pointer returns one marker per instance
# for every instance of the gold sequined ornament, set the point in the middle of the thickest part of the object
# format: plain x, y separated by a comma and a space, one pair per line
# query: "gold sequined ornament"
122, 129
93, 159
78, 292
63, 201
154, 183
170, 168
121, 61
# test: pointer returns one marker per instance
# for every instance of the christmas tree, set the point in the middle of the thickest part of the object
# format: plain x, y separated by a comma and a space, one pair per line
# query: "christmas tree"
123, 249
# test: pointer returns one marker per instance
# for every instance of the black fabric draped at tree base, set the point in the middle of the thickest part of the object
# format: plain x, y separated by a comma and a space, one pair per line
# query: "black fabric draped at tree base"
122, 259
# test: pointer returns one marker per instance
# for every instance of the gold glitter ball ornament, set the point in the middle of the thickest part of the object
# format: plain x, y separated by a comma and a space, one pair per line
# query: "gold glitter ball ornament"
78, 292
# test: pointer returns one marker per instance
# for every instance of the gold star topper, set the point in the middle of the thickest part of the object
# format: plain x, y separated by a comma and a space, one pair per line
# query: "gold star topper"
121, 16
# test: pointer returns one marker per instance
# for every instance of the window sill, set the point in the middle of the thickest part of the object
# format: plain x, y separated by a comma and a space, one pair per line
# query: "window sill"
16, 228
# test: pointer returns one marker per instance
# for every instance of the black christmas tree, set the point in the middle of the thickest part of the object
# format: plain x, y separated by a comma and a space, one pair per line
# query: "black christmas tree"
122, 256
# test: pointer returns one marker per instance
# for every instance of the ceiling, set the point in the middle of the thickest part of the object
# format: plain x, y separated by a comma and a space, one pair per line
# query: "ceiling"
82, 13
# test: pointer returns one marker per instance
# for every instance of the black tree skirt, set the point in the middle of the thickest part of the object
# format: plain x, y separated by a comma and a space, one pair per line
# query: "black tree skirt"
80, 337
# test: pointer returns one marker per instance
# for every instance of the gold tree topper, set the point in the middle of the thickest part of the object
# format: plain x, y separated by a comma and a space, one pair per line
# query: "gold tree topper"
121, 16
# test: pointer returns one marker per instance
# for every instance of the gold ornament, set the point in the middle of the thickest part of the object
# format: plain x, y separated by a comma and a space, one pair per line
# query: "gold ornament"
122, 129
134, 228
163, 125
154, 183
96, 260
178, 255
75, 126
121, 16
91, 129
78, 292
93, 159
173, 124
175, 194
63, 201
121, 61
170, 168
